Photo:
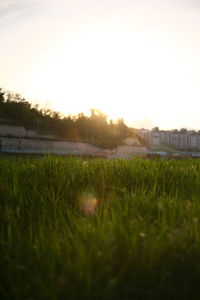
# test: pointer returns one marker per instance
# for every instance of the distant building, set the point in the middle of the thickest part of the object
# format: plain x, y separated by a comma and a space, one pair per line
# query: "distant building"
198, 140
144, 133
183, 136
154, 137
174, 141
192, 140
179, 139
164, 137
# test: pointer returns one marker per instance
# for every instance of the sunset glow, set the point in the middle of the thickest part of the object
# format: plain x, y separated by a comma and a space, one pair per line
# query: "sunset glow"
129, 60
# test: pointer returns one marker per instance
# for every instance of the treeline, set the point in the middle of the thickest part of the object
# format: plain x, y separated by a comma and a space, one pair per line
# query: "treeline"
94, 129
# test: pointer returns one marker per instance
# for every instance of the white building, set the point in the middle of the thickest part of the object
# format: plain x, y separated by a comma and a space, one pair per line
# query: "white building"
183, 139
192, 140
174, 138
164, 137
144, 133
198, 141
154, 137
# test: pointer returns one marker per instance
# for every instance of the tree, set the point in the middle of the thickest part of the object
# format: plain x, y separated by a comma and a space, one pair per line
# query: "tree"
94, 129
1, 96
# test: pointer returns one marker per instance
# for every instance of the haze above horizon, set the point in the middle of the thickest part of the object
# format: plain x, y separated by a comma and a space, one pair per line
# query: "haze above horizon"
139, 60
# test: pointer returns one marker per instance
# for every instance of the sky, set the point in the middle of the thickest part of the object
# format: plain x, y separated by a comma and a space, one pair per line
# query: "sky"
135, 59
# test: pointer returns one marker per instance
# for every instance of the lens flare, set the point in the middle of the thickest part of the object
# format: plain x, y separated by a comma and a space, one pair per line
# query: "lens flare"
88, 203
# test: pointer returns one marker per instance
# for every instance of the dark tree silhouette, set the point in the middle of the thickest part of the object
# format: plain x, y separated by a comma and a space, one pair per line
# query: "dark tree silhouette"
94, 129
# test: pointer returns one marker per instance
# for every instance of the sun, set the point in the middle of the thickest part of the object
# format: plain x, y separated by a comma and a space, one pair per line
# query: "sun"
122, 74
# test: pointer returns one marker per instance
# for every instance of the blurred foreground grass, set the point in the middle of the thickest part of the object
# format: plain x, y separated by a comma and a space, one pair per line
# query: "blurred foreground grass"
141, 242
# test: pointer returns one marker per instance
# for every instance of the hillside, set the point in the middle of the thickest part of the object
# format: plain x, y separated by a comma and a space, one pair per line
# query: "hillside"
94, 129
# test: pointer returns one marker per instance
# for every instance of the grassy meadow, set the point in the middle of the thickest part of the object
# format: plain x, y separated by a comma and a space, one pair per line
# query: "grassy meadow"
140, 240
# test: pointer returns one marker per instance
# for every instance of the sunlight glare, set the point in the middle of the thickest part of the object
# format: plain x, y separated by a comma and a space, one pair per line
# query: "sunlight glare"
123, 75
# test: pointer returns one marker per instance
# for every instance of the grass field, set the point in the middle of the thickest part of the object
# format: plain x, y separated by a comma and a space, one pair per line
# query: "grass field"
141, 242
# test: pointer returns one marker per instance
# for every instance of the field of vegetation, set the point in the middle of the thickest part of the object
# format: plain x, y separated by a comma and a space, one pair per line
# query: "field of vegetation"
97, 229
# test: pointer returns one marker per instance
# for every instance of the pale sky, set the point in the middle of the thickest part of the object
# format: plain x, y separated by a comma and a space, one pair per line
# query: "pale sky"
136, 59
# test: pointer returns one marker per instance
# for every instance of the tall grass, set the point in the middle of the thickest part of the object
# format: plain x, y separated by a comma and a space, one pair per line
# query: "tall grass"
143, 242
